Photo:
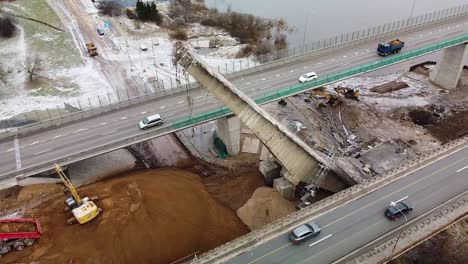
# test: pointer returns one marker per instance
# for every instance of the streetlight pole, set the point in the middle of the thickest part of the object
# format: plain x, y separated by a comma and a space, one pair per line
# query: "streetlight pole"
399, 234
305, 29
412, 9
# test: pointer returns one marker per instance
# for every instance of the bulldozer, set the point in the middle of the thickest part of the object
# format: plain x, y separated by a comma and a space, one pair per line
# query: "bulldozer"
83, 210
348, 92
331, 99
92, 50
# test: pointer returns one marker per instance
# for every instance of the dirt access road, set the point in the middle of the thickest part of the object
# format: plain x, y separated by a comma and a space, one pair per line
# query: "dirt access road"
83, 27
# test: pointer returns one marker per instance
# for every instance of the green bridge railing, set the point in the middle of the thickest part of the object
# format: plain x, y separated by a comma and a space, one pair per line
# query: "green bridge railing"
327, 79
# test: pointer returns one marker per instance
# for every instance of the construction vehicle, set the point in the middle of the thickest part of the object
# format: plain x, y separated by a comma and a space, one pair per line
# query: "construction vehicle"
92, 50
83, 210
16, 233
331, 99
348, 92
392, 47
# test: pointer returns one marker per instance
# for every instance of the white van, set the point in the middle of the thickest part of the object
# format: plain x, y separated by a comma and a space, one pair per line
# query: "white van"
143, 48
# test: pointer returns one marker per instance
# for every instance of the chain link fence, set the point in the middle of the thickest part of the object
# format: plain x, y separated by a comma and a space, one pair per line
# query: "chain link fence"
150, 90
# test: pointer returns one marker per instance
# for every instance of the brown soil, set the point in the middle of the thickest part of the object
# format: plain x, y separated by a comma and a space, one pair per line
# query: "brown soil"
450, 128
155, 216
265, 206
17, 227
234, 192
448, 247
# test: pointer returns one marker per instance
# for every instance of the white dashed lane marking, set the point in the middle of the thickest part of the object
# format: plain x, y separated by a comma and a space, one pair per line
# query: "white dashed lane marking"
57, 136
144, 112
462, 169
181, 102
162, 107
198, 97
107, 133
44, 151
123, 118
102, 124
10, 150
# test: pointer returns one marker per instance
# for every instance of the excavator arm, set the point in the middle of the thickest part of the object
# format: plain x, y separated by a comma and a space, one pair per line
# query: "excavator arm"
68, 184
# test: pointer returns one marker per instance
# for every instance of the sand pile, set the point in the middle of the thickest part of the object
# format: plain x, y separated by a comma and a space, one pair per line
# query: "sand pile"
265, 206
154, 216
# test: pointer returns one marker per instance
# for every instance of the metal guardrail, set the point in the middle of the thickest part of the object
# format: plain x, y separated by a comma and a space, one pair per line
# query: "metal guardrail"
239, 245
413, 233
278, 58
223, 111
328, 79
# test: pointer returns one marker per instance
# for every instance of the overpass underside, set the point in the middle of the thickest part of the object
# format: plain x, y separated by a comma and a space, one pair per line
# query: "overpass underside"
295, 156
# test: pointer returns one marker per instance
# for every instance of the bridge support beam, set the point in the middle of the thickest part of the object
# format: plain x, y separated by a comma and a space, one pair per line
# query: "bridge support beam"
229, 131
294, 155
448, 69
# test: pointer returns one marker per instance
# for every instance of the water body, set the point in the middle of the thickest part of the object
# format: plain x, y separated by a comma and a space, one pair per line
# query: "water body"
321, 19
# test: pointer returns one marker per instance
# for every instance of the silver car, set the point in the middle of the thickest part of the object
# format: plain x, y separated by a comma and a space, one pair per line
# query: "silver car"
153, 120
304, 232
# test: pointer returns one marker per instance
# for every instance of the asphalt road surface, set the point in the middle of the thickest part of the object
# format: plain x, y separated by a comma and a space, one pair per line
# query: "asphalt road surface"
49, 145
355, 224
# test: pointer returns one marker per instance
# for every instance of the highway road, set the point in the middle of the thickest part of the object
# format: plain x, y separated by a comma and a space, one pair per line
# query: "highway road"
49, 145
352, 225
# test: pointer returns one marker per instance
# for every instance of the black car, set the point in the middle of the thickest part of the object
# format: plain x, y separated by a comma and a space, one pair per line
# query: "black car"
304, 232
397, 210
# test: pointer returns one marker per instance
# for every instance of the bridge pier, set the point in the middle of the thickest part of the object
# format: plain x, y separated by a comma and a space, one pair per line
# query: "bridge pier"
448, 69
295, 156
229, 130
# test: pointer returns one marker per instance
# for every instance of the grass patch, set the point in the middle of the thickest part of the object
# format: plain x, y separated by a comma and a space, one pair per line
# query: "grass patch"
59, 87
55, 46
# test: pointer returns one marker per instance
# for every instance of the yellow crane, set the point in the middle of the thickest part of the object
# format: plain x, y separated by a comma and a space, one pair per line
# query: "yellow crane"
83, 210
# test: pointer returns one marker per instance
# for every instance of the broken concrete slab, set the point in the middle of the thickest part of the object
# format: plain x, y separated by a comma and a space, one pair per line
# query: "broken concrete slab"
270, 170
285, 188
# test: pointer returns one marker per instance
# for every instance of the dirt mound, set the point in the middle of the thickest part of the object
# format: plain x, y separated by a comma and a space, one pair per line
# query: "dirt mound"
153, 216
451, 127
265, 206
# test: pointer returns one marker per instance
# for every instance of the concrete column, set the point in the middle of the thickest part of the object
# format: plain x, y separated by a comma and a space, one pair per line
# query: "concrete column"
229, 131
448, 69
295, 156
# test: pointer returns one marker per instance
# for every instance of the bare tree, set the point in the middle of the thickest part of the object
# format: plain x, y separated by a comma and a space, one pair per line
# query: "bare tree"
3, 74
110, 9
32, 64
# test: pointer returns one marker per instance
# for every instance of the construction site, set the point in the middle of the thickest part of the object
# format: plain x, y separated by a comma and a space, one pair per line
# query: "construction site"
188, 203
169, 199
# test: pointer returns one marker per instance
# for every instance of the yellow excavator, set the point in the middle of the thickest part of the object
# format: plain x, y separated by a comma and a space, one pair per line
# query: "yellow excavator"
83, 210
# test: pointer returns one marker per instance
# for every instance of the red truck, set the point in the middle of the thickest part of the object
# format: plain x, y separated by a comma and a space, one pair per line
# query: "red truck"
18, 233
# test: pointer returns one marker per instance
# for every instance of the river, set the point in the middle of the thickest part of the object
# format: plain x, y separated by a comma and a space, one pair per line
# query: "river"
322, 19
328, 18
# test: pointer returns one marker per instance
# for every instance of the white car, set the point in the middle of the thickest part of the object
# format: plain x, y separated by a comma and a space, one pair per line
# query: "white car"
154, 120
310, 76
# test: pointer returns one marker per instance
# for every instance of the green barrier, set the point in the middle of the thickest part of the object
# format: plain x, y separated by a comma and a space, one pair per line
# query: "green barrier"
334, 77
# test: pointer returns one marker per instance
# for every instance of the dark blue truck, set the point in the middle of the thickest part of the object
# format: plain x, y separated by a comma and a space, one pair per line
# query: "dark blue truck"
392, 47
